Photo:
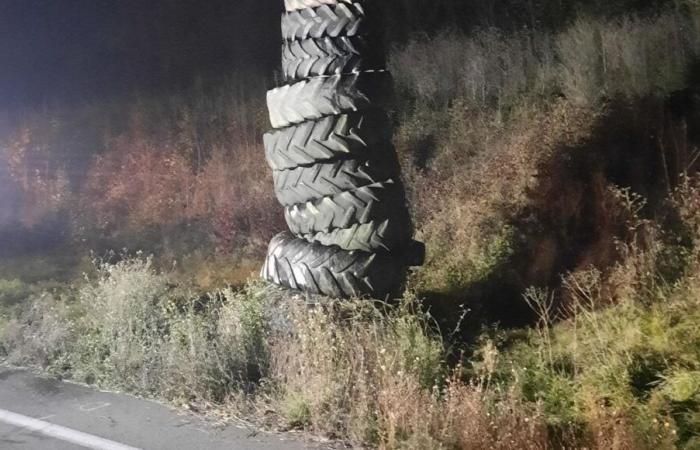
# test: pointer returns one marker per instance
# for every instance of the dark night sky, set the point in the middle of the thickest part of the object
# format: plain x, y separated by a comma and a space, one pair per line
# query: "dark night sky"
80, 49
59, 50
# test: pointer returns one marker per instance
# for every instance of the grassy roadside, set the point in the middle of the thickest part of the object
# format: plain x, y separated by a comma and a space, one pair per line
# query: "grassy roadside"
614, 366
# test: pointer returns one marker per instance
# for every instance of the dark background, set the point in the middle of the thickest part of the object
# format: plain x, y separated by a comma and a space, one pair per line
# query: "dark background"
73, 50
77, 49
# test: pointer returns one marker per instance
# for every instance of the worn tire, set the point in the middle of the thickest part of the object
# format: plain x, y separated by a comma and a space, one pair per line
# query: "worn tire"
374, 203
326, 96
367, 237
330, 56
332, 271
293, 5
344, 19
332, 137
305, 184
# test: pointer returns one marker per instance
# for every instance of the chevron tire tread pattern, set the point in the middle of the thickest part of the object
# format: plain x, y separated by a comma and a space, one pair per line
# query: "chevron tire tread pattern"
374, 203
329, 56
305, 184
318, 97
367, 237
329, 138
334, 166
293, 5
343, 19
331, 271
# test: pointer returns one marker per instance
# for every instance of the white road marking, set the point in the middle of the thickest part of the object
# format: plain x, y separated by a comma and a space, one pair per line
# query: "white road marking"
94, 406
61, 433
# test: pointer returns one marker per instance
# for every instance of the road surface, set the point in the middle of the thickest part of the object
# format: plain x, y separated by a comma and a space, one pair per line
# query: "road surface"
45, 414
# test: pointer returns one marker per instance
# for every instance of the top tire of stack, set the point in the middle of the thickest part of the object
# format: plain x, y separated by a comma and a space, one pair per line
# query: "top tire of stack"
295, 5
342, 19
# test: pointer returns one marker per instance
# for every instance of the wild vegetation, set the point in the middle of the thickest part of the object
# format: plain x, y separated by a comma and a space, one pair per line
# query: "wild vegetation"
553, 174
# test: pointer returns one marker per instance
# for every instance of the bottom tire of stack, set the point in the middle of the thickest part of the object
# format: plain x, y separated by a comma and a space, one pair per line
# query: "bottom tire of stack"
331, 271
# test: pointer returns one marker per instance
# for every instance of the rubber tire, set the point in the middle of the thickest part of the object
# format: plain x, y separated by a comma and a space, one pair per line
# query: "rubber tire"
344, 19
372, 218
330, 56
374, 203
319, 97
293, 5
305, 184
332, 137
384, 236
331, 271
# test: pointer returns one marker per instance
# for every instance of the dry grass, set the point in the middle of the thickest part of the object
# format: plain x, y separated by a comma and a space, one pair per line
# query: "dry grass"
631, 56
590, 60
531, 159
613, 366
484, 69
687, 201
138, 184
479, 181
368, 374
190, 161
497, 169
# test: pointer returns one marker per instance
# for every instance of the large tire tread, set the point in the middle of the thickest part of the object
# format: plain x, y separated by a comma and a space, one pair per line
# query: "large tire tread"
335, 170
374, 203
332, 137
331, 271
330, 56
319, 97
343, 19
368, 237
305, 184
294, 5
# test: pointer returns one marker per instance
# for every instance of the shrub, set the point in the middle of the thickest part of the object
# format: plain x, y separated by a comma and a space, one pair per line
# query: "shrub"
376, 374
125, 325
129, 327
331, 370
12, 291
373, 374
590, 60
630, 56
625, 375
143, 334
619, 377
42, 332
485, 69
687, 202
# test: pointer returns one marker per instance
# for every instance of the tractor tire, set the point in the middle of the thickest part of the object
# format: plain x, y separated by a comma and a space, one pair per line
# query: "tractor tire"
293, 5
329, 56
370, 237
305, 184
319, 97
343, 19
374, 203
331, 271
332, 137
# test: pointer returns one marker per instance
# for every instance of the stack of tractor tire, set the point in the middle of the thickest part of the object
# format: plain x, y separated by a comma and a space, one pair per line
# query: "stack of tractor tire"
336, 172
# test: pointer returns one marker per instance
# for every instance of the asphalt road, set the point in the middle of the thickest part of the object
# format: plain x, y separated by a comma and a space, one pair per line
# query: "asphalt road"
45, 414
